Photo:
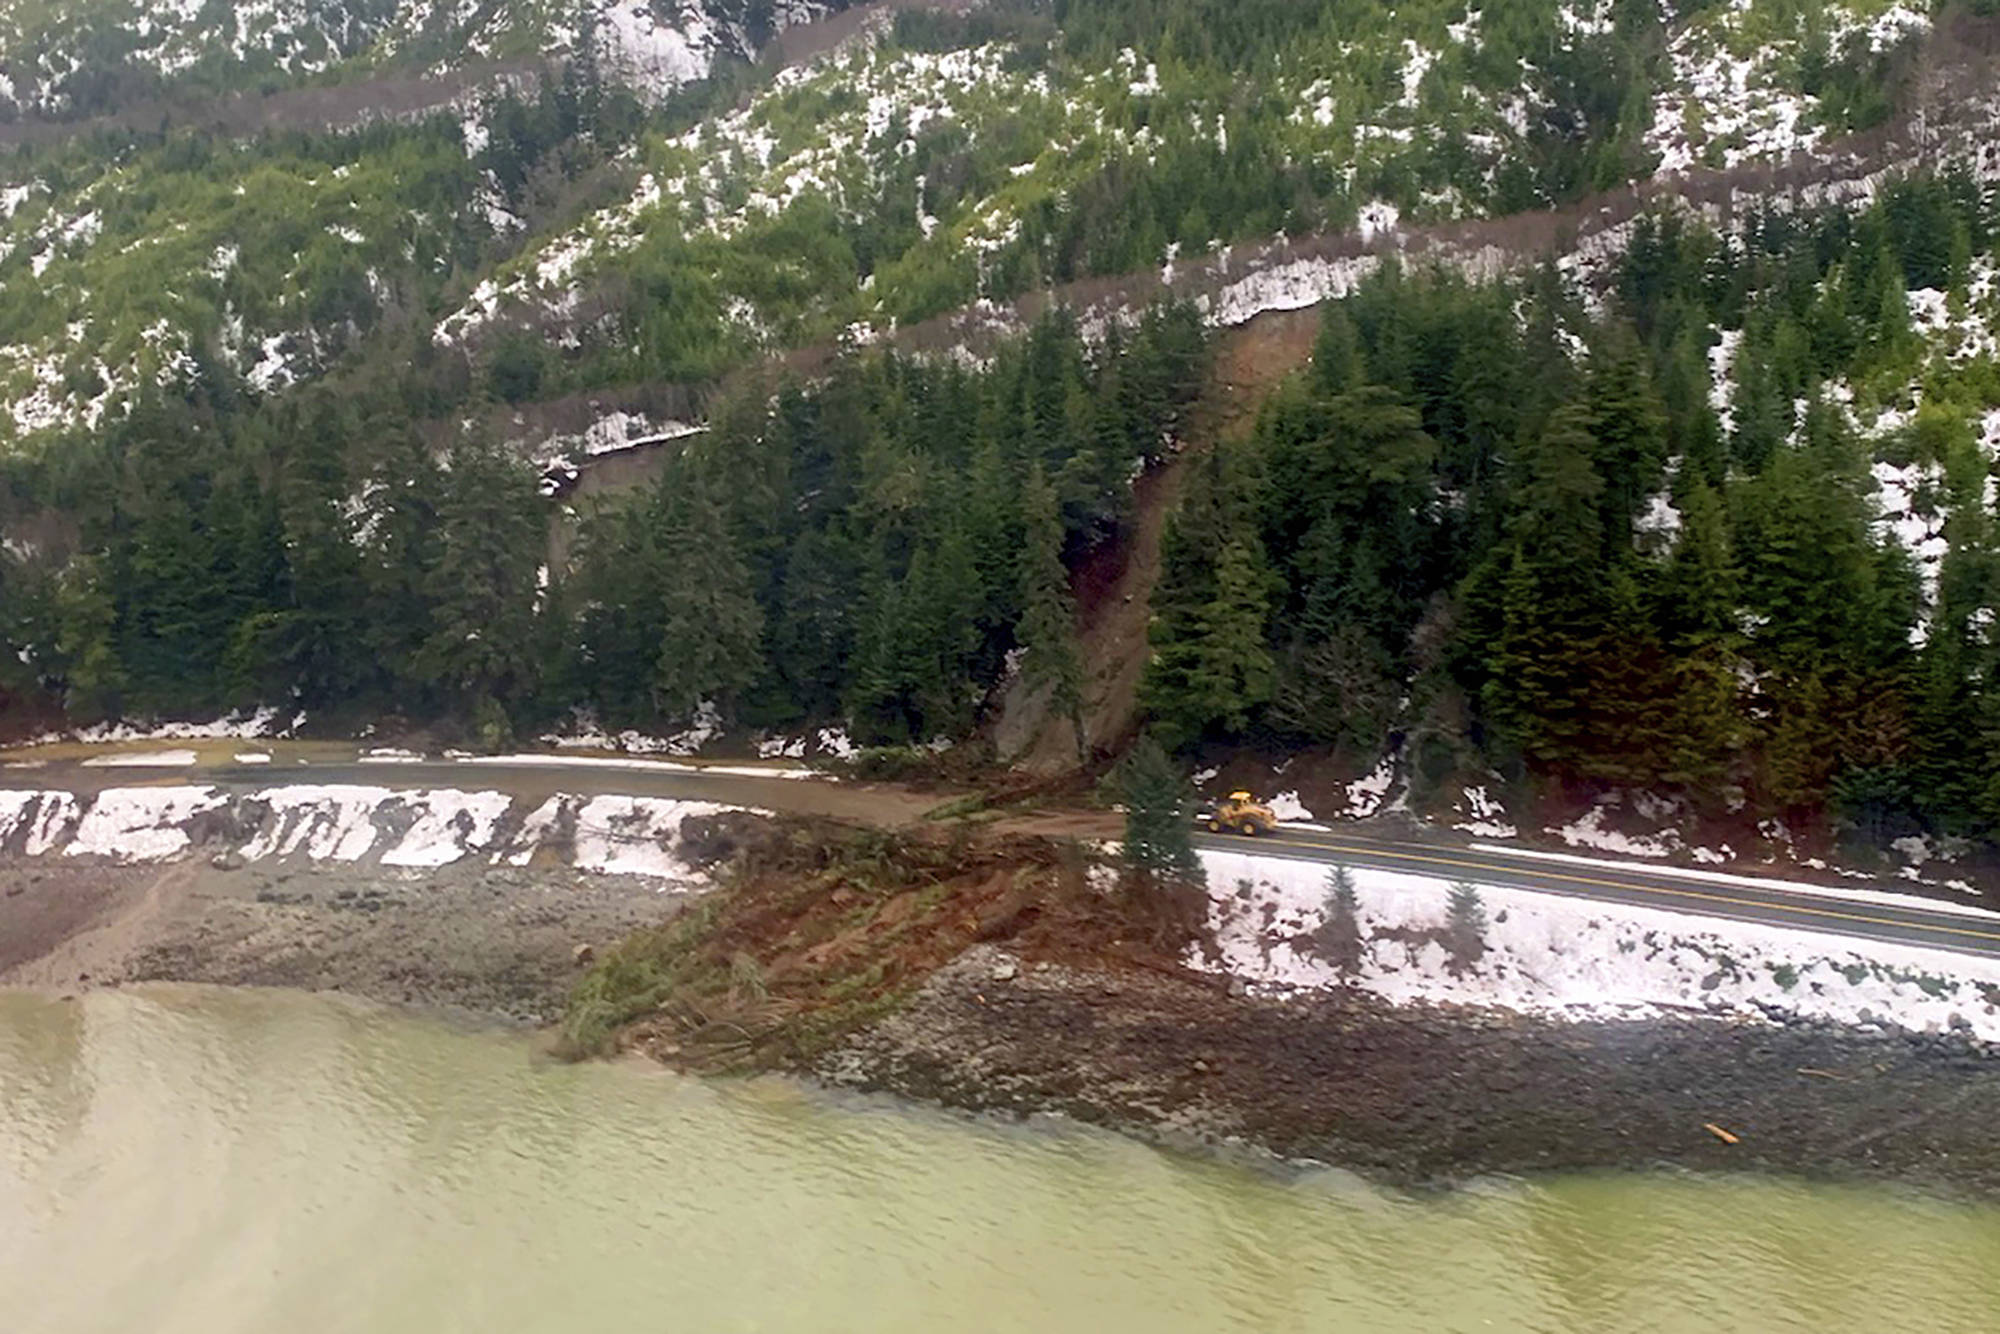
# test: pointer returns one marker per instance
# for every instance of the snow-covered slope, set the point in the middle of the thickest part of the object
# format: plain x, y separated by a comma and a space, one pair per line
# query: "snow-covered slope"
872, 188
85, 57
1548, 954
607, 835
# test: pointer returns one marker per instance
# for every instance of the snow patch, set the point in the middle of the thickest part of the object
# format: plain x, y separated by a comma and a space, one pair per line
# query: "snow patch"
638, 765
635, 835
152, 759
1365, 796
42, 819
1589, 832
326, 823
1289, 809
705, 727
237, 726
1575, 958
1487, 817
140, 824
450, 825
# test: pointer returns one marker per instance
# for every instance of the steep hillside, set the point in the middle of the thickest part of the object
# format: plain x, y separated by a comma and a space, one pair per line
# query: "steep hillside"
945, 161
1115, 583
84, 58
960, 344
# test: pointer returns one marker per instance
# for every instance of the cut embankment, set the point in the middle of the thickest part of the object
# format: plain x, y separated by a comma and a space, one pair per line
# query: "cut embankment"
1285, 925
359, 824
469, 901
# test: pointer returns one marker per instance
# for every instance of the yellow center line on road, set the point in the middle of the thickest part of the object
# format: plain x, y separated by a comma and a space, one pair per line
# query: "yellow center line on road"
1378, 850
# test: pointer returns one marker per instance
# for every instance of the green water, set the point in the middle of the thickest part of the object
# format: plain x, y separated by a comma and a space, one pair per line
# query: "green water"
211, 1162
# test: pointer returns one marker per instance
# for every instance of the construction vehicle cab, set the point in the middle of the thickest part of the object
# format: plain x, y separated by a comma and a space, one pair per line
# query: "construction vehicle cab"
1243, 814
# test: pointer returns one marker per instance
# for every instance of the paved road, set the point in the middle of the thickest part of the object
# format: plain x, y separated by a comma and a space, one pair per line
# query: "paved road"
1795, 905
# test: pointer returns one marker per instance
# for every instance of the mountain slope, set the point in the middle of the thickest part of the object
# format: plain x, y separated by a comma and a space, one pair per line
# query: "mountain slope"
925, 166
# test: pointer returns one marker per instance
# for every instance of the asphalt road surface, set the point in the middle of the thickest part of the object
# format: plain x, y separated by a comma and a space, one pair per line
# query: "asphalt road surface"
1791, 903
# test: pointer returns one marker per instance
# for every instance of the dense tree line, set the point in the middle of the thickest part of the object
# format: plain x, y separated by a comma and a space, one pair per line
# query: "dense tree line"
876, 546
1460, 533
872, 546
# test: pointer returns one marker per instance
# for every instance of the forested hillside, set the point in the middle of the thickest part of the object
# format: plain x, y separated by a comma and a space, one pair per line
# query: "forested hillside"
1731, 535
663, 203
1702, 504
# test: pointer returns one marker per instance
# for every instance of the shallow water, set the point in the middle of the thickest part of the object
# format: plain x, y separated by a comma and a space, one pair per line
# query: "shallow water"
207, 1161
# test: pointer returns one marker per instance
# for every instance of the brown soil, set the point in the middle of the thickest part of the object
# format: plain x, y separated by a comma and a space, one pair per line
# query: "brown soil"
824, 929
1114, 584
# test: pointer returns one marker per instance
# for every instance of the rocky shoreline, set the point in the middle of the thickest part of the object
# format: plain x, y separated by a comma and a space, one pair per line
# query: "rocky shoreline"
1422, 1095
492, 944
1415, 1095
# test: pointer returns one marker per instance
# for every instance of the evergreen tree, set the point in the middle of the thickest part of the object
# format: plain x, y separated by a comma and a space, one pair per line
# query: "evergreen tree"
1337, 359
481, 647
711, 632
1553, 596
1210, 663
1629, 429
1465, 929
1695, 594
1212, 668
583, 78
1694, 616
309, 637
1338, 941
1761, 409
1051, 661
86, 617
1159, 830
399, 521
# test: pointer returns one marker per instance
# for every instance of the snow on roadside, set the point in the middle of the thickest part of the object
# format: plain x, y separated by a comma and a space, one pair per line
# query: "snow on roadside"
152, 759
1579, 958
450, 825
635, 835
357, 823
389, 755
1588, 831
639, 766
44, 819
705, 727
1289, 809
1488, 818
542, 826
141, 824
231, 727
325, 823
1804, 889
